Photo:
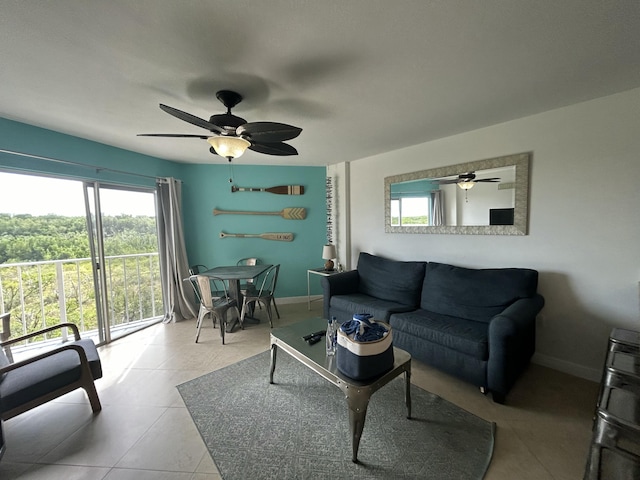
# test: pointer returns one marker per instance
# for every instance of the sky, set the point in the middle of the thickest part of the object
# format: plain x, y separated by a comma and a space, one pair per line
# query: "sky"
20, 194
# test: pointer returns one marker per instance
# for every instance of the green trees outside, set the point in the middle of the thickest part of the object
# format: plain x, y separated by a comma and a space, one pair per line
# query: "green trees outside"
133, 281
25, 238
408, 221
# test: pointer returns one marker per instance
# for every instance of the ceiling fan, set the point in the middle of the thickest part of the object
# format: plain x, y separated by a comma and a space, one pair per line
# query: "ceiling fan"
467, 180
231, 135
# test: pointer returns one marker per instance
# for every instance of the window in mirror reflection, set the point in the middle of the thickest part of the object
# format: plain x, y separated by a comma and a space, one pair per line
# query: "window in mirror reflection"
411, 203
410, 211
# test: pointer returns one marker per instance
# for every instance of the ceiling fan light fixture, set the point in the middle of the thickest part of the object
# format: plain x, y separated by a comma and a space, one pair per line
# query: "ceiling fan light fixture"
229, 147
466, 185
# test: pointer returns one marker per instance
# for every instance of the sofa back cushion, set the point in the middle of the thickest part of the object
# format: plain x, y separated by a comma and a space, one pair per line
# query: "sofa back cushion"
390, 279
475, 294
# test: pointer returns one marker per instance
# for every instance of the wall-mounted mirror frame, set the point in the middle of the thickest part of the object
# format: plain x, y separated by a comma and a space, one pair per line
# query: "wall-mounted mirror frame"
521, 196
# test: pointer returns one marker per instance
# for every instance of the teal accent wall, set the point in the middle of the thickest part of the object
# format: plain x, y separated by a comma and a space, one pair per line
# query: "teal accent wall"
204, 188
23, 138
207, 187
413, 188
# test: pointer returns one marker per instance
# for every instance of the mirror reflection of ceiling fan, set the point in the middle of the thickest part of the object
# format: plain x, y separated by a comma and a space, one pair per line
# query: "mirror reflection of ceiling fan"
231, 135
467, 180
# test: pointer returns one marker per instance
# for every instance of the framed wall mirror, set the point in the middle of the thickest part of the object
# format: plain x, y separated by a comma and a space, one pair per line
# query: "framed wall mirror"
485, 197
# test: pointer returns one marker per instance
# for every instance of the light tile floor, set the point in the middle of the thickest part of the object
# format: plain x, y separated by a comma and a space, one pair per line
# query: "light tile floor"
145, 432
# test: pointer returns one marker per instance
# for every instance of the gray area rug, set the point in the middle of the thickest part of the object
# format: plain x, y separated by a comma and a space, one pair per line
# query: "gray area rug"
298, 428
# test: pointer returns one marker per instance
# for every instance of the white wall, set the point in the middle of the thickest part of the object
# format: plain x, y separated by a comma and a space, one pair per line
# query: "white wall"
584, 229
340, 173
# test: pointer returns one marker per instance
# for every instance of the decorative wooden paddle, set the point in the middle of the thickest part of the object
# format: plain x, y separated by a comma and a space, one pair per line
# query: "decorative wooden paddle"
280, 189
283, 237
291, 213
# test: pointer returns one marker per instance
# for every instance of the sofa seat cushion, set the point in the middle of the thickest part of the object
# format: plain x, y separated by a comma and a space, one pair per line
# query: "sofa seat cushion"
390, 280
43, 376
475, 294
465, 336
361, 303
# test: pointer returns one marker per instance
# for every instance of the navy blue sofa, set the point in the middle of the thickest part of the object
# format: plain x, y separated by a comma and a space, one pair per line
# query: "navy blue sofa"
476, 324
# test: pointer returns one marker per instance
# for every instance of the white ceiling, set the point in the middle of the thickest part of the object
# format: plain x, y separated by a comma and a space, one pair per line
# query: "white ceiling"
361, 77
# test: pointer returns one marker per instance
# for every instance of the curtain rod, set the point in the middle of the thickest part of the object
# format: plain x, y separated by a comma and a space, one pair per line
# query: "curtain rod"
78, 164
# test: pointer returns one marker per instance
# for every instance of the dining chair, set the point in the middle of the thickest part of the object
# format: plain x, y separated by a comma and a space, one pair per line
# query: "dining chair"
216, 308
262, 292
251, 281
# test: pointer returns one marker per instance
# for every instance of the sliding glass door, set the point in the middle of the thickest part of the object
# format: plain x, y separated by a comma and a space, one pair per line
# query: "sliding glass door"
124, 251
78, 252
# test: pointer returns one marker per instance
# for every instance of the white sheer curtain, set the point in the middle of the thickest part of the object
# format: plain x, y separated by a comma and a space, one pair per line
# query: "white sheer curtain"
174, 266
437, 214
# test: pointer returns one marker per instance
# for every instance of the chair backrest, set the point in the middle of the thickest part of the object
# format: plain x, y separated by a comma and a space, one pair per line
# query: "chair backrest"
267, 281
249, 261
275, 279
196, 269
205, 284
194, 284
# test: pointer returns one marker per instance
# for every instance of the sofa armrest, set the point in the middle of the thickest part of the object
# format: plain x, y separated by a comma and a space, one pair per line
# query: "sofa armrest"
515, 319
512, 342
339, 284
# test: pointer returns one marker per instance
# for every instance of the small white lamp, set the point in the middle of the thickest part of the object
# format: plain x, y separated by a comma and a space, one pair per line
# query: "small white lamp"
328, 254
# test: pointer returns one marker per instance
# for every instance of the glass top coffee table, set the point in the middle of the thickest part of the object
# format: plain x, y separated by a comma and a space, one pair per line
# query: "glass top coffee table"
357, 393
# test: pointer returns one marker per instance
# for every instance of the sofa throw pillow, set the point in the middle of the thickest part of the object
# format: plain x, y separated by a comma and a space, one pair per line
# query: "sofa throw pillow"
390, 279
475, 294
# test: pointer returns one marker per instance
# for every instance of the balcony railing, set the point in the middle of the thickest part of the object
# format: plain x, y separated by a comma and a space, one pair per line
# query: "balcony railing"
41, 294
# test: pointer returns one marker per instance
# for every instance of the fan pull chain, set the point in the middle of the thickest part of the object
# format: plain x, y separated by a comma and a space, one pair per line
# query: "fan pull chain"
230, 171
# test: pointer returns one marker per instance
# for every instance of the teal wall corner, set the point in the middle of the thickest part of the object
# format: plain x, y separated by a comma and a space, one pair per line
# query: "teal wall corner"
207, 187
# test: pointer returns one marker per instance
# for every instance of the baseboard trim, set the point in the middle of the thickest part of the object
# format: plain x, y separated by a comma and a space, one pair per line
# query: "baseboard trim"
303, 299
571, 368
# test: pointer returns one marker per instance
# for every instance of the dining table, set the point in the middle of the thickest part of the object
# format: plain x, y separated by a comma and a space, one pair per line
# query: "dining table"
233, 274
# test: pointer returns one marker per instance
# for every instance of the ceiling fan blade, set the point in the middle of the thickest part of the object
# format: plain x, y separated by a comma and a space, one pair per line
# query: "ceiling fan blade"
494, 179
268, 132
177, 135
447, 182
192, 119
279, 148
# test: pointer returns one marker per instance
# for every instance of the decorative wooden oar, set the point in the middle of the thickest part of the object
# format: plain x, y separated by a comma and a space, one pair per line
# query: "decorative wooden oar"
291, 213
280, 189
283, 237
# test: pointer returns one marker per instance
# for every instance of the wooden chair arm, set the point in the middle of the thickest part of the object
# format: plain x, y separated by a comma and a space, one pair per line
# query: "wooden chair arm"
72, 326
81, 353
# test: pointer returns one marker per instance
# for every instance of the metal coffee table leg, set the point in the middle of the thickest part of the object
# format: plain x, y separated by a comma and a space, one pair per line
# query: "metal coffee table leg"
358, 401
272, 368
407, 389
